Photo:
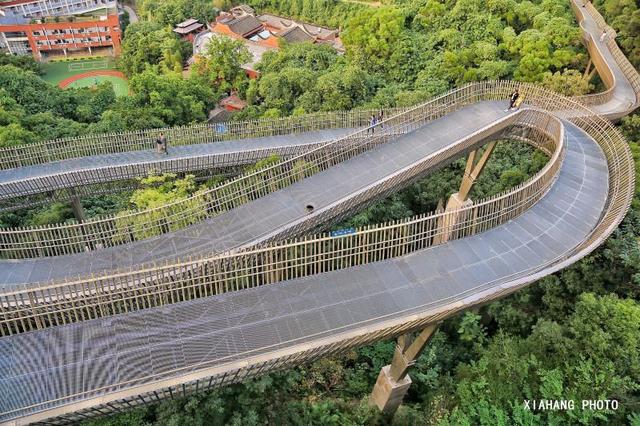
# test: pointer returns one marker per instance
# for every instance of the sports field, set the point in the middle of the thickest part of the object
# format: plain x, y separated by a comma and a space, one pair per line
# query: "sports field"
86, 73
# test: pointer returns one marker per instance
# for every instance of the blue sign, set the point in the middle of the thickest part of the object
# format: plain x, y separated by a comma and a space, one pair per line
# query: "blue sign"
342, 232
221, 128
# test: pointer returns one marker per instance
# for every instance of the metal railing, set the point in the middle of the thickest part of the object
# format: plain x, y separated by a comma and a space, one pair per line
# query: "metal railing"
127, 227
110, 143
621, 60
209, 374
40, 306
60, 239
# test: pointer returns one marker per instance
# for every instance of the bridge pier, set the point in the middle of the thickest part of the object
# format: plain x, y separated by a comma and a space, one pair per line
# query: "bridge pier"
461, 199
76, 206
394, 381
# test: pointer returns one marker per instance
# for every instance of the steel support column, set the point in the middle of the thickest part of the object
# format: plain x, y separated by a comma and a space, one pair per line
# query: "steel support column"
587, 70
473, 170
393, 381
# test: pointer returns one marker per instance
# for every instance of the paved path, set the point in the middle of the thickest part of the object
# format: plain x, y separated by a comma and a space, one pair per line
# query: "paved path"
624, 96
133, 16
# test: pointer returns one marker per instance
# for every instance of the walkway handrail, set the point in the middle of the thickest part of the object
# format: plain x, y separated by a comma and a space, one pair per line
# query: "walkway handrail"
43, 305
622, 61
629, 71
136, 140
616, 152
61, 239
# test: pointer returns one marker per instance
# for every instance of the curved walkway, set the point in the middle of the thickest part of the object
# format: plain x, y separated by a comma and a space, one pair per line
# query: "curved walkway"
40, 178
185, 338
75, 172
109, 364
275, 214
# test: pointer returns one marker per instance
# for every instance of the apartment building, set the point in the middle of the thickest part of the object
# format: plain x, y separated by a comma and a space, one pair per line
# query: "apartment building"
59, 27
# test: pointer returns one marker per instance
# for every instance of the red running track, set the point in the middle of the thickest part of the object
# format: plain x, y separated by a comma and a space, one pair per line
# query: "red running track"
96, 73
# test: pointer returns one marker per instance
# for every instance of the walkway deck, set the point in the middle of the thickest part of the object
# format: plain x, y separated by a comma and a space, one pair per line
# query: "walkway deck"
126, 165
133, 357
175, 340
273, 214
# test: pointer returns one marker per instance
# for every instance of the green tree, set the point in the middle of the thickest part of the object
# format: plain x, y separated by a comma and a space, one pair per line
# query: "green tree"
170, 97
569, 83
24, 62
172, 12
150, 43
371, 36
13, 134
220, 66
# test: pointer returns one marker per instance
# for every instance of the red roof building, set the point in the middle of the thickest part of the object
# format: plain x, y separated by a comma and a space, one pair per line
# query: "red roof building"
49, 27
233, 103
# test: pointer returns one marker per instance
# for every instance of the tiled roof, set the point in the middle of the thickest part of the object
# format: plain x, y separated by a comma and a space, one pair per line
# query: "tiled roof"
295, 35
187, 29
243, 8
245, 25
187, 23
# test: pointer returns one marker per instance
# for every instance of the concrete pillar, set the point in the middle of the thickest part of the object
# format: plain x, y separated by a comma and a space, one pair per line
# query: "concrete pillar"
394, 381
387, 393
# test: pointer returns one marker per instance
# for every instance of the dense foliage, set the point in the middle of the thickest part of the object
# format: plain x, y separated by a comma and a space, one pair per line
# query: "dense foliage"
406, 52
332, 13
32, 110
172, 12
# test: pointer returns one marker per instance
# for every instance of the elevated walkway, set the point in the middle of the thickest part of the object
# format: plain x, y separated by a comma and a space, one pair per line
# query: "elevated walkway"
277, 215
81, 171
103, 362
195, 339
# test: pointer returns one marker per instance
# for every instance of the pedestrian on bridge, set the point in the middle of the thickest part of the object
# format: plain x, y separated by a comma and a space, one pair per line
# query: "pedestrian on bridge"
513, 98
603, 36
381, 118
373, 120
161, 144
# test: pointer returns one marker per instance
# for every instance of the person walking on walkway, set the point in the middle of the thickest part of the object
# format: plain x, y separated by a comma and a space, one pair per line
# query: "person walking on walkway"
161, 144
381, 118
513, 98
372, 124
603, 36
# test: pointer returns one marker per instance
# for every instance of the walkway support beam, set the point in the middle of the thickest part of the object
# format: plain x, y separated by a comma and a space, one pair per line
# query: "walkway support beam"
76, 206
473, 170
393, 381
461, 199
587, 70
